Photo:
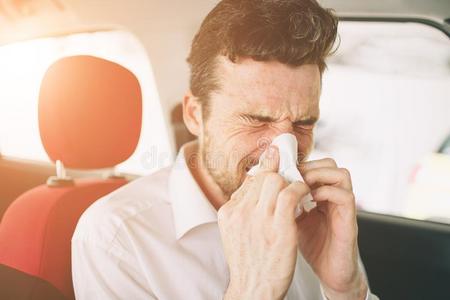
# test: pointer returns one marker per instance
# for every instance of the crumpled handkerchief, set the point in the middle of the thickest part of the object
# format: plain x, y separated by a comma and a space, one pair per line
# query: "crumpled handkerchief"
287, 148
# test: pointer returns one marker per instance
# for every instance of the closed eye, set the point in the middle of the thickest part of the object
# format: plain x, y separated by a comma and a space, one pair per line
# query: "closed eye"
306, 124
256, 120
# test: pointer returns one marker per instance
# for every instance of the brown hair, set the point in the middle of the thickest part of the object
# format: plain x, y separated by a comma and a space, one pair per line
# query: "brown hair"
293, 32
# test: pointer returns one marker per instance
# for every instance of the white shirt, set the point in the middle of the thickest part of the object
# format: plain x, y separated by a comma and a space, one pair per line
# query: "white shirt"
158, 238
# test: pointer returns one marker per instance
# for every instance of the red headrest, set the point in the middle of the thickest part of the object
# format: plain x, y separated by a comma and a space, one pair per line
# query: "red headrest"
90, 112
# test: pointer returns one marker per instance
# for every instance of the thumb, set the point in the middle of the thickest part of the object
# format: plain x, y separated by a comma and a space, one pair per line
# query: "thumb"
270, 160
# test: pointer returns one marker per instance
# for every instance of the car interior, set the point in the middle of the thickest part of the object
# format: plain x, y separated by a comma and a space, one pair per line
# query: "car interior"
91, 116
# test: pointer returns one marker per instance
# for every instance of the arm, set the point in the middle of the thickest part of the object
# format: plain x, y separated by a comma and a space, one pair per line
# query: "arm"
328, 234
366, 294
259, 233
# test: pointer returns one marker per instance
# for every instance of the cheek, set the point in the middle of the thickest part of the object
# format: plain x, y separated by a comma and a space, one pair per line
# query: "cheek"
245, 147
244, 137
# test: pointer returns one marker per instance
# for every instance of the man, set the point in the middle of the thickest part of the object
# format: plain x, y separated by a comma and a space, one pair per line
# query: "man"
203, 229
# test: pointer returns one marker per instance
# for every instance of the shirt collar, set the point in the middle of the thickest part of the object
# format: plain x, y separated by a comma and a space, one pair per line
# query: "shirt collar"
190, 206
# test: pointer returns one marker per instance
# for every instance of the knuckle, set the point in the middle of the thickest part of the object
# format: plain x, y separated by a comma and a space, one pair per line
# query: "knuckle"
330, 161
289, 195
345, 171
274, 178
301, 186
352, 198
296, 184
308, 176
322, 191
327, 189
260, 176
231, 219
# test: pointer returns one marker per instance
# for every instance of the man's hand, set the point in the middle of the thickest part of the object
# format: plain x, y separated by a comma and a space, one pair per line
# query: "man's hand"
328, 234
259, 233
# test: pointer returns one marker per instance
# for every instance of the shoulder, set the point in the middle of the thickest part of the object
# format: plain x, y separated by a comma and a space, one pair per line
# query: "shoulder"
142, 198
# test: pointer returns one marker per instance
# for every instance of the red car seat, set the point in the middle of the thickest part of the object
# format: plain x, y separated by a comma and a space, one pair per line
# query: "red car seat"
90, 113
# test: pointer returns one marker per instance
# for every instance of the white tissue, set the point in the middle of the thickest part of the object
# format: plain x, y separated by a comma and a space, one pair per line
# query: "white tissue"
287, 148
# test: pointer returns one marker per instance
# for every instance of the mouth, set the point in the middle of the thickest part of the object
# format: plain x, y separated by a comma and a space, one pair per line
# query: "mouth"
250, 165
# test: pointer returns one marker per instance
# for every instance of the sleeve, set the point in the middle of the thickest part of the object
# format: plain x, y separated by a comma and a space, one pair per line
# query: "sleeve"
101, 273
369, 295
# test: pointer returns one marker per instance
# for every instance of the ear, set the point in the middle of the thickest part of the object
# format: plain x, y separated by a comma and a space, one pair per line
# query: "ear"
192, 113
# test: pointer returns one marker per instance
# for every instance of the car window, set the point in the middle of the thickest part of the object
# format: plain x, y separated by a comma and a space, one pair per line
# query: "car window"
385, 111
445, 147
22, 66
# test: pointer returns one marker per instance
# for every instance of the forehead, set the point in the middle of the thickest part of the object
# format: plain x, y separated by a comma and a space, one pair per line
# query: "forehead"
269, 88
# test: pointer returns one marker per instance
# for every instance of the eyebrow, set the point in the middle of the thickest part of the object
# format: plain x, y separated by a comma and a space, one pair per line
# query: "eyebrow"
309, 120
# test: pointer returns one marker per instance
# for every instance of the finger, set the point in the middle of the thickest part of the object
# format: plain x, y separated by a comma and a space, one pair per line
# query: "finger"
314, 164
272, 185
328, 176
334, 195
253, 192
242, 190
270, 160
250, 191
289, 198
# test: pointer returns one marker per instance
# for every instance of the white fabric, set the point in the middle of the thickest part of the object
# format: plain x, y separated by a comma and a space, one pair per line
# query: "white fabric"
287, 149
158, 238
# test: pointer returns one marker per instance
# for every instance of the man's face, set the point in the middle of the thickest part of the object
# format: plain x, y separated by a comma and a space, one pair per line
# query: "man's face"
256, 102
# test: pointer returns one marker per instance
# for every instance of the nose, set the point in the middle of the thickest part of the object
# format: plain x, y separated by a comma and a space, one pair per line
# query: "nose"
283, 126
275, 129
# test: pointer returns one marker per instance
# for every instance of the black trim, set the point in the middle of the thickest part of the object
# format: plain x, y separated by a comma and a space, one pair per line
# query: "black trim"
442, 27
445, 147
405, 258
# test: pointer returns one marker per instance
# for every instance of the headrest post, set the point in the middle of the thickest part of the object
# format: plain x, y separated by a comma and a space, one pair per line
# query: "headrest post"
114, 175
60, 170
60, 180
